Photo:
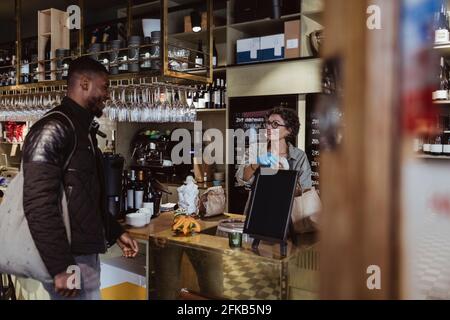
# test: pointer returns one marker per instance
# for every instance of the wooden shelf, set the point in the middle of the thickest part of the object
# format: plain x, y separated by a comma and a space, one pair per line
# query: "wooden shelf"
444, 102
220, 33
425, 156
211, 110
270, 61
444, 48
264, 26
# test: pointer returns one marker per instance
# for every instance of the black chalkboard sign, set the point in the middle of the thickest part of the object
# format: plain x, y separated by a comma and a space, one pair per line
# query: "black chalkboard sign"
271, 203
313, 138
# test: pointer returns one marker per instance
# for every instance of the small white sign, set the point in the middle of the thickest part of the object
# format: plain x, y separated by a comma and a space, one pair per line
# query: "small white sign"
292, 44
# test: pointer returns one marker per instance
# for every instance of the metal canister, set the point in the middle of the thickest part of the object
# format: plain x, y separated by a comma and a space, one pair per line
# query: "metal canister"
133, 53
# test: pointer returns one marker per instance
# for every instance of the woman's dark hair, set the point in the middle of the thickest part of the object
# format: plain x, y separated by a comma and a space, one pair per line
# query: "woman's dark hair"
291, 121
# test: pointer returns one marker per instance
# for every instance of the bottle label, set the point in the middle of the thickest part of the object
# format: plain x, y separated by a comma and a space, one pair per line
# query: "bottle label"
447, 149
214, 61
427, 147
440, 95
198, 62
130, 199
436, 148
442, 36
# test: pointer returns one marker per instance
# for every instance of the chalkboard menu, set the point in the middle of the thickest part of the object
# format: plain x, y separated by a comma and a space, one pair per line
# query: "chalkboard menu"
247, 113
313, 138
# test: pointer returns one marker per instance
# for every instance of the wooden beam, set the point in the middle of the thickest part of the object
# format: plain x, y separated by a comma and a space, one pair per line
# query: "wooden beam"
359, 220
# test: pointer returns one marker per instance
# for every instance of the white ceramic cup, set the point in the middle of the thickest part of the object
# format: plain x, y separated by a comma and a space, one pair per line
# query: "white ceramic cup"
147, 205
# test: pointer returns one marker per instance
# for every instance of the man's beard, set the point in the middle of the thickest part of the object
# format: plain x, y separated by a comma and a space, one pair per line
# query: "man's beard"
94, 108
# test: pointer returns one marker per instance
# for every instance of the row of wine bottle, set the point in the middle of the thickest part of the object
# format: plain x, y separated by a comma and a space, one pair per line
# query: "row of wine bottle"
212, 96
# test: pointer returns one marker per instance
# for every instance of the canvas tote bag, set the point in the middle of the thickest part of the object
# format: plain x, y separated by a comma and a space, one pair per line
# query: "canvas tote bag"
18, 253
305, 212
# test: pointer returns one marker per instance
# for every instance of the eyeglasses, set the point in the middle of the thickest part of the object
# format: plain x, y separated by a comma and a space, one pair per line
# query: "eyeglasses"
274, 124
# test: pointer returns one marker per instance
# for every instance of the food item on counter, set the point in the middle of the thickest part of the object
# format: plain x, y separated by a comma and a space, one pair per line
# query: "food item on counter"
185, 224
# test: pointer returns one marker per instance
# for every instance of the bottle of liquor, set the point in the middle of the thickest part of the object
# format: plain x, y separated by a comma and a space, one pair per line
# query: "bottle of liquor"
107, 34
225, 96
95, 36
217, 94
215, 55
208, 97
139, 191
442, 34
48, 57
437, 146
201, 98
442, 92
24, 65
123, 200
222, 94
195, 98
189, 98
447, 146
130, 190
199, 56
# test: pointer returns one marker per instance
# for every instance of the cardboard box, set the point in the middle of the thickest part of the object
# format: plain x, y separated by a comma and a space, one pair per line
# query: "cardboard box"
272, 47
248, 50
292, 39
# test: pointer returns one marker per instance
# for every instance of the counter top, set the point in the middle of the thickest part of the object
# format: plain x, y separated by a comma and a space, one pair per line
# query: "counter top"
164, 223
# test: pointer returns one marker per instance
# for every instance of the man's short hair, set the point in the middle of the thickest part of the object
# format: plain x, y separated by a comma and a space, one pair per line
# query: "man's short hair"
84, 65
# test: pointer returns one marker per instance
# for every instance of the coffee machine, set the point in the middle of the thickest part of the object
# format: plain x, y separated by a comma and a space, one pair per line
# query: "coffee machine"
113, 167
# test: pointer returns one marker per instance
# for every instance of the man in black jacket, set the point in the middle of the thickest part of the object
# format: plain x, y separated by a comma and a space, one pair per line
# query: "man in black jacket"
46, 149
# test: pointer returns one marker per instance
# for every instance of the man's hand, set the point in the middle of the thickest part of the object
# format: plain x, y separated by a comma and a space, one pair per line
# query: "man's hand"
61, 281
128, 245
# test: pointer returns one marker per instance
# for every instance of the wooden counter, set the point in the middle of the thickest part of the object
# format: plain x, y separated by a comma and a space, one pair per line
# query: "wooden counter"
164, 223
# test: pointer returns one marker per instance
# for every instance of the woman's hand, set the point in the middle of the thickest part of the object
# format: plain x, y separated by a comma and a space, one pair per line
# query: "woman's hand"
268, 160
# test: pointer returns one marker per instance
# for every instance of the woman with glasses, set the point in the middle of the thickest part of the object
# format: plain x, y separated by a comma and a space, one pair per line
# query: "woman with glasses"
282, 127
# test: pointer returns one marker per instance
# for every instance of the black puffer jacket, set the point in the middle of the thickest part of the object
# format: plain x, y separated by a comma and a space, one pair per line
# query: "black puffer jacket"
46, 149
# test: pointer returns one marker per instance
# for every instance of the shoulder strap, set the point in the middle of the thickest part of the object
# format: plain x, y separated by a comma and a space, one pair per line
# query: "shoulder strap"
66, 164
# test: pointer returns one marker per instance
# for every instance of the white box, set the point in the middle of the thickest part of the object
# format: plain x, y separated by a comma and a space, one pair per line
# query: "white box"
272, 47
247, 50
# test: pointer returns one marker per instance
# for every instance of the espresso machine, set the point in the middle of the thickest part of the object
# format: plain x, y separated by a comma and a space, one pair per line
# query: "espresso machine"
113, 167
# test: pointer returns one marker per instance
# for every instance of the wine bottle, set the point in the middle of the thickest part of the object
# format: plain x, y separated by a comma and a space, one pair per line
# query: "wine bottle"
222, 94
48, 57
195, 98
24, 65
123, 196
225, 95
442, 92
442, 34
201, 98
207, 97
215, 55
199, 56
130, 190
217, 102
107, 34
95, 36
139, 191
437, 146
